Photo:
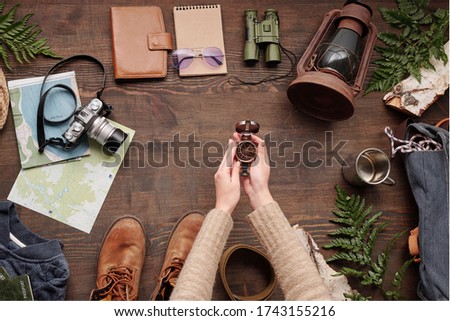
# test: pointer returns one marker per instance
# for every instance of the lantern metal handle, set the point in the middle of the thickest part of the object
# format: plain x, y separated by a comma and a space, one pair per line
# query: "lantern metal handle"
315, 42
365, 61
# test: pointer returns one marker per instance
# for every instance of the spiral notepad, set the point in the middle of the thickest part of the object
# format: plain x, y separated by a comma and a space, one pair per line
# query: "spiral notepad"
199, 26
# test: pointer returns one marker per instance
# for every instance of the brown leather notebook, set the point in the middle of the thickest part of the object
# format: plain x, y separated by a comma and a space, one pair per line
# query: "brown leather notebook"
139, 42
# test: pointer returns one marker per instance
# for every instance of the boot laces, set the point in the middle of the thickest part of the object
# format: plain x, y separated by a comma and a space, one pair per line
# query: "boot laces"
121, 280
169, 277
174, 269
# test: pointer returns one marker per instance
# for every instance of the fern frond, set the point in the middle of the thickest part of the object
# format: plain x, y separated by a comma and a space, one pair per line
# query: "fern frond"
373, 237
350, 257
4, 56
422, 35
354, 243
398, 276
372, 278
390, 39
366, 225
348, 231
7, 19
343, 220
397, 281
20, 39
351, 272
362, 214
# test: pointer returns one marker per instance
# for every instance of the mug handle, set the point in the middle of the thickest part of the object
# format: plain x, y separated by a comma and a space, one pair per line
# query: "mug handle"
389, 181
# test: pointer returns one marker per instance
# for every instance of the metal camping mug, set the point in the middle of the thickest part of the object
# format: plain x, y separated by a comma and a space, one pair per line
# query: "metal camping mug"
369, 167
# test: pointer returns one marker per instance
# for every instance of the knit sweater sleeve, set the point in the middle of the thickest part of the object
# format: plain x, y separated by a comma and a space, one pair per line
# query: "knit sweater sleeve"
197, 277
295, 271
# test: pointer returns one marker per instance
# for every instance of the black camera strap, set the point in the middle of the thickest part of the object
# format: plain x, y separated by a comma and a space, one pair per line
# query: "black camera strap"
58, 141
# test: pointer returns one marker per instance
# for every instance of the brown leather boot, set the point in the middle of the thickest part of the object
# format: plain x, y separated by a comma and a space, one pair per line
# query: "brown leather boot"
120, 261
178, 247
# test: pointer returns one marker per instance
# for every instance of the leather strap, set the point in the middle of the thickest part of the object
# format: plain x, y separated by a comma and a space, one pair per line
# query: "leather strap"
227, 256
413, 244
443, 123
160, 41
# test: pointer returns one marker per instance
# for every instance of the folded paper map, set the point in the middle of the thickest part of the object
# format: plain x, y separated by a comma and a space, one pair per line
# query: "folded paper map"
71, 192
24, 96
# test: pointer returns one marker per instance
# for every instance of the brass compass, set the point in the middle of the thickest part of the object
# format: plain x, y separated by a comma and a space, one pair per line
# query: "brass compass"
246, 149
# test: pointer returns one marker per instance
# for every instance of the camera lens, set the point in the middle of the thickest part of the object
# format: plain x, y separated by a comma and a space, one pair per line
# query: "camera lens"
109, 136
114, 141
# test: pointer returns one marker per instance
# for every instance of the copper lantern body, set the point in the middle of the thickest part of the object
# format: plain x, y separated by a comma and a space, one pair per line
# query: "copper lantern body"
331, 72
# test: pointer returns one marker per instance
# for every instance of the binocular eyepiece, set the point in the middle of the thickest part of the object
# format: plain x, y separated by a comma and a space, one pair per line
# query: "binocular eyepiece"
264, 33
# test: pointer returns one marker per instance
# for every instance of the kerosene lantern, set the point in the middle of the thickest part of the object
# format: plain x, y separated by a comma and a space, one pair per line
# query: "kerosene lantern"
332, 70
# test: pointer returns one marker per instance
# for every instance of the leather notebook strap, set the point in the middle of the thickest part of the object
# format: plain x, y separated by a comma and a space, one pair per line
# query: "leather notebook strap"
159, 41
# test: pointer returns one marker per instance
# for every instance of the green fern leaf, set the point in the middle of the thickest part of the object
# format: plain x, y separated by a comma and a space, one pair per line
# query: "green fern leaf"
356, 297
350, 257
20, 39
373, 237
372, 278
422, 36
342, 220
343, 243
427, 19
441, 14
390, 39
351, 272
418, 16
407, 7
348, 231
4, 56
353, 243
7, 19
398, 277
340, 213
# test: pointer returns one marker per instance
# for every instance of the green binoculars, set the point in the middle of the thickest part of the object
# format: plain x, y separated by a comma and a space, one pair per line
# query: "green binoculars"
264, 33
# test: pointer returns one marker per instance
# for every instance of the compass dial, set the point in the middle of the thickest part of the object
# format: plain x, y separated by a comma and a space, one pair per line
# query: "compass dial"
246, 151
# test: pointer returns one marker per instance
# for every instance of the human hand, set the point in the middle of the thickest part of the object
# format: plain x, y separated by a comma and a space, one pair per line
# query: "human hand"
256, 186
228, 188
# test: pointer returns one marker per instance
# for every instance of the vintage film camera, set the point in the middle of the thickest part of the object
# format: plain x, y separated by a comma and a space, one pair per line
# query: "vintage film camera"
264, 33
91, 120
246, 150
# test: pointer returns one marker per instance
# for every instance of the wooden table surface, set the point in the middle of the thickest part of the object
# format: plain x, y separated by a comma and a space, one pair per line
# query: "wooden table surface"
206, 109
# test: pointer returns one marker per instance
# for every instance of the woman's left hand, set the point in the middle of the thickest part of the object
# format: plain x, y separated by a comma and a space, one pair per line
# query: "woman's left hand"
227, 180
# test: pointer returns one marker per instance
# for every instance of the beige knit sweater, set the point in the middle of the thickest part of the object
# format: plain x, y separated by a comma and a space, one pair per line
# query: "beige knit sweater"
296, 273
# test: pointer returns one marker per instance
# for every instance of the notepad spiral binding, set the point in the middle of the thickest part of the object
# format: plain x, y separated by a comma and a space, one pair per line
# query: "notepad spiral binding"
196, 7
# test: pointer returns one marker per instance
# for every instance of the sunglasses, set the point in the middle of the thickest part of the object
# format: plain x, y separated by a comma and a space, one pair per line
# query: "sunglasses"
183, 58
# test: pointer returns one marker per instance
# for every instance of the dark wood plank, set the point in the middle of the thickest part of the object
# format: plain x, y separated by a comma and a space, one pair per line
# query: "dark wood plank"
208, 107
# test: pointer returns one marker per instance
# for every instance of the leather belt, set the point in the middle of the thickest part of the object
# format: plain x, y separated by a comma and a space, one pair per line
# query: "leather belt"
242, 248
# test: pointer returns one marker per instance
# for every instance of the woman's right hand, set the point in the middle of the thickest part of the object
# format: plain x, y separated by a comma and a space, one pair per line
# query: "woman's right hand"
256, 186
